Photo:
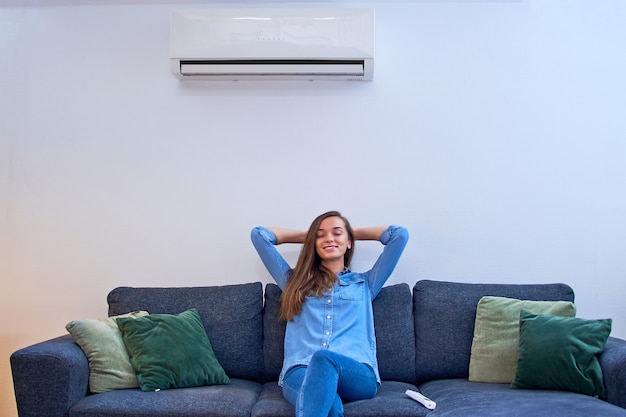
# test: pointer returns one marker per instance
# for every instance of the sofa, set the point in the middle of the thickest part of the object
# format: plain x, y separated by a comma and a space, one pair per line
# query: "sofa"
424, 343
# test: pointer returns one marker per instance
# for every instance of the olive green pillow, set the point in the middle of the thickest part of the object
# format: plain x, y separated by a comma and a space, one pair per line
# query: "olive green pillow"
171, 351
101, 340
495, 344
559, 353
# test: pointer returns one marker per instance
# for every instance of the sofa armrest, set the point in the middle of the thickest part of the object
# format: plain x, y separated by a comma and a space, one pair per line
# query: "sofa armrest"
49, 377
613, 363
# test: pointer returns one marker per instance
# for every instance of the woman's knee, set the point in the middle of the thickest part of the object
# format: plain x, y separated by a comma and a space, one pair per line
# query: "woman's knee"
323, 357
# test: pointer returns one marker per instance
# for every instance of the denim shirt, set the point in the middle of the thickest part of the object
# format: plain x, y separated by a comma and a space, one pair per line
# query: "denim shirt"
342, 319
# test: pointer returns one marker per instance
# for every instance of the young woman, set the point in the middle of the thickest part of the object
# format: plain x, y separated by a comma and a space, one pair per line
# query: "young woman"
330, 346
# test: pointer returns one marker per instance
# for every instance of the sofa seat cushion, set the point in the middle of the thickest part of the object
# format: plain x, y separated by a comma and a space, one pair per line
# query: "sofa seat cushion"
461, 397
390, 401
233, 400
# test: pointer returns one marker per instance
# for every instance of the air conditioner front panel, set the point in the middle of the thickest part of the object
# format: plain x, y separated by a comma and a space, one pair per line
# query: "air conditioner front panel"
324, 42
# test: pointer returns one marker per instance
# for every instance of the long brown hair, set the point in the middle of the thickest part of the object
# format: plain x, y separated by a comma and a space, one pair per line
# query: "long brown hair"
309, 277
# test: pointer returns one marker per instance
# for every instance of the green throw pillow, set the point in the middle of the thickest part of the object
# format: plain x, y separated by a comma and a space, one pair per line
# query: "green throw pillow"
171, 351
493, 355
101, 340
559, 353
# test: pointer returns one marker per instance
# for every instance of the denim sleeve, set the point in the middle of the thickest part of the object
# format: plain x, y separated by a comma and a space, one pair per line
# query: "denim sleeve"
395, 239
264, 242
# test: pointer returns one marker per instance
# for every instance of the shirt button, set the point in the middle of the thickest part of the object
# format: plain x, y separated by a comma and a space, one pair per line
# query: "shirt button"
329, 301
327, 317
324, 344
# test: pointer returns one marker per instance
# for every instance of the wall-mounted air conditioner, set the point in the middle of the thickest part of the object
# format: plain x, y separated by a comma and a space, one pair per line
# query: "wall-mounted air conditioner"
273, 43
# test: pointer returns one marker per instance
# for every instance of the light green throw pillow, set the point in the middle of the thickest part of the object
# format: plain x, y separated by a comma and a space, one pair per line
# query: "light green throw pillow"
171, 351
559, 353
496, 335
101, 341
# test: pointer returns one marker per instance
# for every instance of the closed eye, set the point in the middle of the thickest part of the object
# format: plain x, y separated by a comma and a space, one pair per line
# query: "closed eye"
337, 231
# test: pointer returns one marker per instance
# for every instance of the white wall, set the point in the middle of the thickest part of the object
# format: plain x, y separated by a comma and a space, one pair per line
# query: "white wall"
494, 131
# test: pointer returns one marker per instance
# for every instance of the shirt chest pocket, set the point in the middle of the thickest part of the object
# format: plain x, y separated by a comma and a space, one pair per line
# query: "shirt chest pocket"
353, 291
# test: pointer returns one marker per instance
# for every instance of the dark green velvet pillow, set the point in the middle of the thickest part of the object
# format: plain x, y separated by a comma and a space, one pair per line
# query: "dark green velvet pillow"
171, 351
559, 353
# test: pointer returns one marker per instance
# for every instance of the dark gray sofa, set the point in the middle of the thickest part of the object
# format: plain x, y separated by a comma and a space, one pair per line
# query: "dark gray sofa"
424, 341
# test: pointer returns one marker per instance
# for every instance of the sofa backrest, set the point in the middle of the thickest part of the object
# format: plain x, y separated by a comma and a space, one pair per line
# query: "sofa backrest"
393, 323
232, 316
423, 335
445, 313
273, 332
395, 339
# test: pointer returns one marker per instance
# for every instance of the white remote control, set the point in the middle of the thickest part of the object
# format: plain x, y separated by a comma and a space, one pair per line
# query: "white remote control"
425, 401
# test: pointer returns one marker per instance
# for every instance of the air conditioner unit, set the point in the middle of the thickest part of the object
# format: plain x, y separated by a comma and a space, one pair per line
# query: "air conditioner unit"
273, 43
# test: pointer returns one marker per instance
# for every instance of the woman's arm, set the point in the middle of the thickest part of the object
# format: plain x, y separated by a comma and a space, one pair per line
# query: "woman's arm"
287, 235
297, 236
395, 239
369, 233
264, 242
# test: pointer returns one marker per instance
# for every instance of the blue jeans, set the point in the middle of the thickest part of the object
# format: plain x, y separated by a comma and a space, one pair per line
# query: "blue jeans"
319, 389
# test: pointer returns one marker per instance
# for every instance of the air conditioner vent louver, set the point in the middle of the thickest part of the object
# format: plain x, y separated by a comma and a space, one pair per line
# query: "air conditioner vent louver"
354, 68
239, 44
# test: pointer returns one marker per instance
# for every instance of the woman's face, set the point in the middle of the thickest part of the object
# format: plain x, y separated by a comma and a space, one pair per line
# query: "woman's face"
332, 240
